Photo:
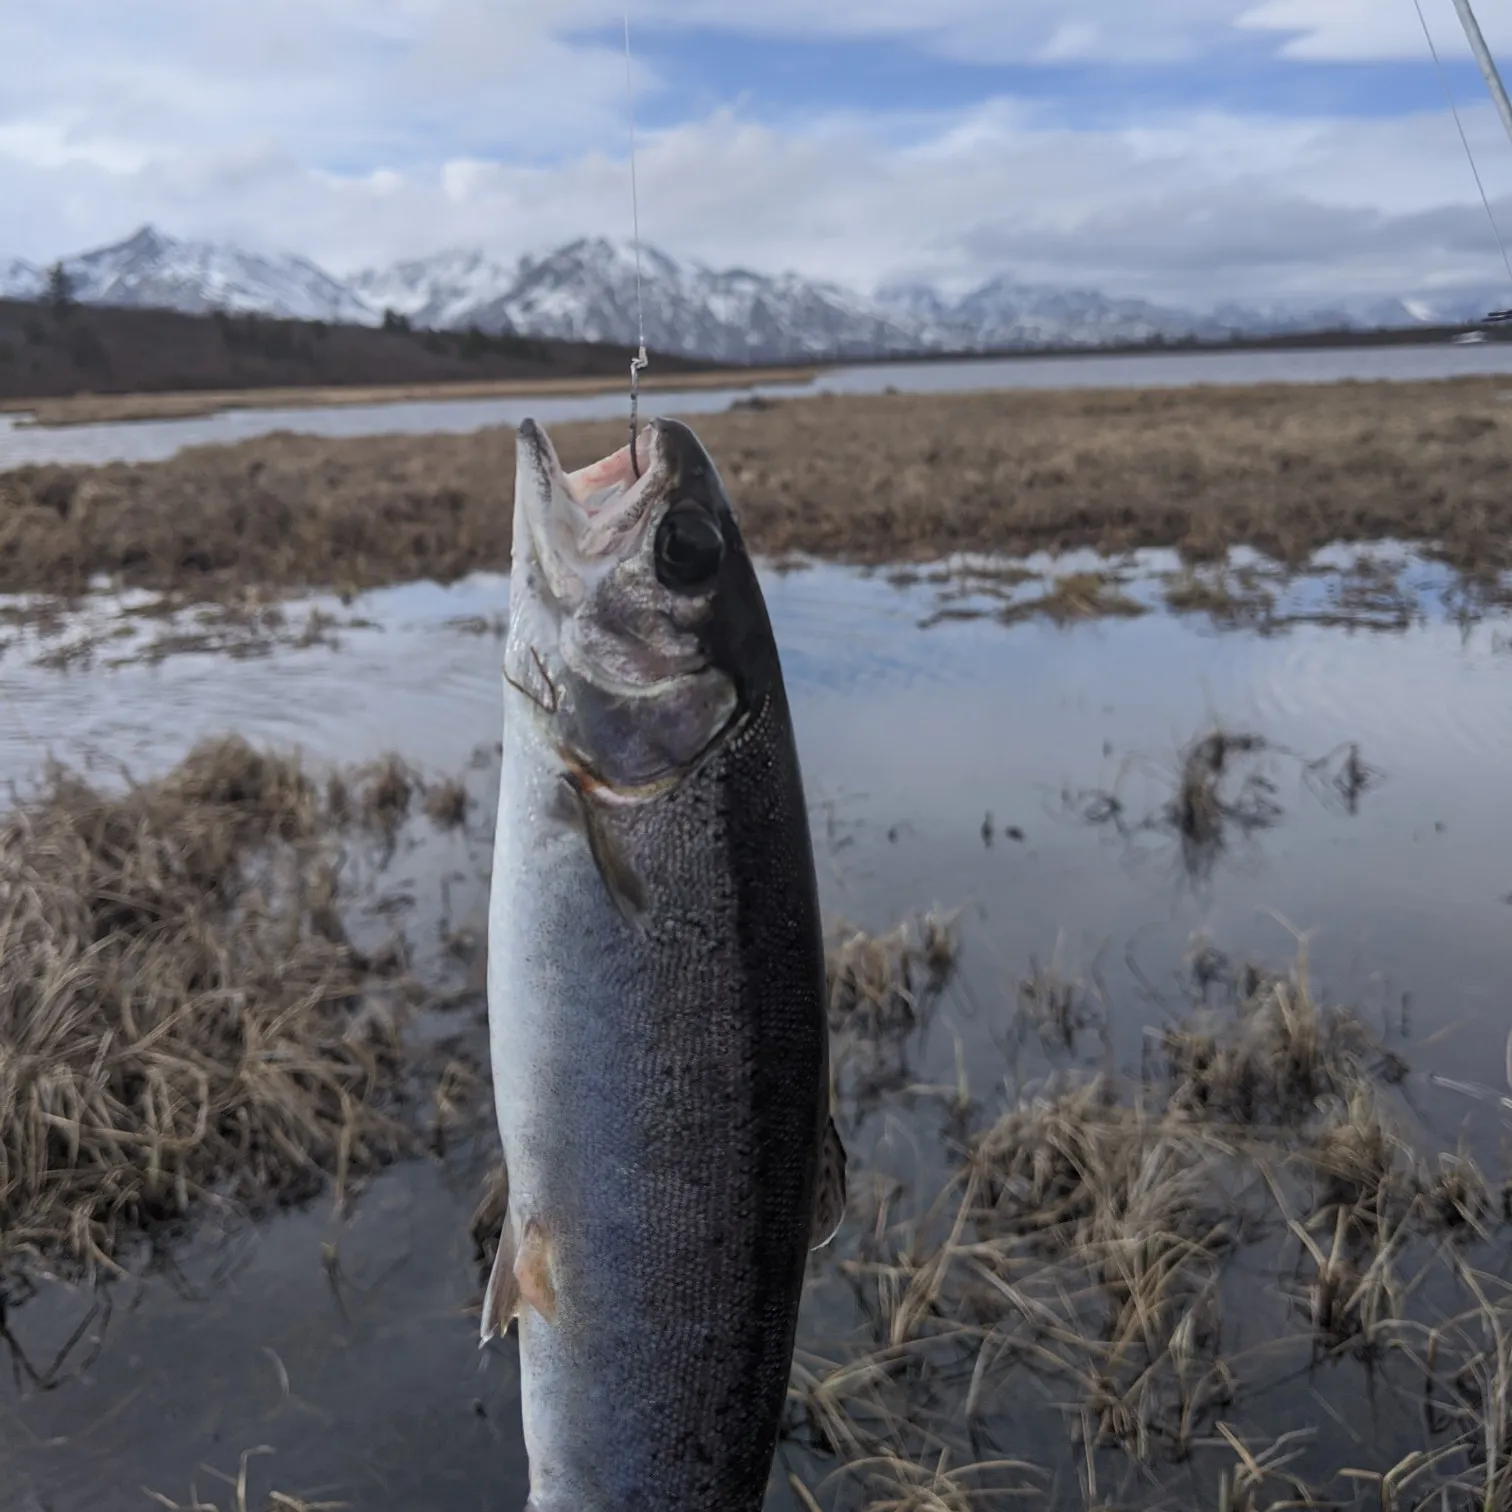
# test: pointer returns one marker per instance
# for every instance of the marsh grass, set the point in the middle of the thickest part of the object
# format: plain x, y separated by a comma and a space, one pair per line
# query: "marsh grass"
241, 1498
1234, 599
242, 626
1123, 1270
184, 1018
878, 982
1221, 791
1286, 469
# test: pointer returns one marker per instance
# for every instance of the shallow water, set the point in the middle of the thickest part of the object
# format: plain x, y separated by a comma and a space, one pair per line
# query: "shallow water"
152, 440
910, 740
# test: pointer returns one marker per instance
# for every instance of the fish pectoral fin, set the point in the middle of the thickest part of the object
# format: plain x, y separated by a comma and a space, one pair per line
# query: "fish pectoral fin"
501, 1299
532, 1271
521, 1277
615, 870
829, 1197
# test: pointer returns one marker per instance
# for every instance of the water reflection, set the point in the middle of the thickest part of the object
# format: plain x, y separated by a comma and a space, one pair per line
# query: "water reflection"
1357, 793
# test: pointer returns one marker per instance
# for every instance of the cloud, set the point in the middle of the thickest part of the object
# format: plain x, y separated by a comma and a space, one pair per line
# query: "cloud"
358, 131
1370, 31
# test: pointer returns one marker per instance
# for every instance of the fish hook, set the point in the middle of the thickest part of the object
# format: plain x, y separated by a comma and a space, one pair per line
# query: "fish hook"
636, 364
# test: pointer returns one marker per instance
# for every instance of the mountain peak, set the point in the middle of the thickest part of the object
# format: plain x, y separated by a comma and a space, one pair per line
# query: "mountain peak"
147, 241
587, 289
151, 268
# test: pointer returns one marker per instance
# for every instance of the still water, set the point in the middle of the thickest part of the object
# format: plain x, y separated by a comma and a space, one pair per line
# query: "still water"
951, 766
152, 440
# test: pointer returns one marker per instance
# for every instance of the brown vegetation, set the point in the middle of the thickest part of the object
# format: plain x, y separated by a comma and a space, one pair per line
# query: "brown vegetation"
184, 1018
240, 1497
1108, 1253
1287, 469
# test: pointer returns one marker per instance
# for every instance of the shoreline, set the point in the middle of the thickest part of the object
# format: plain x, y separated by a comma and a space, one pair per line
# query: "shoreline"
97, 409
184, 404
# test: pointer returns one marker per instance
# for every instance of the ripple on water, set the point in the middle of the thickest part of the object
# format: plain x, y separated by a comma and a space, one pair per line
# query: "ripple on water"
1427, 693
937, 763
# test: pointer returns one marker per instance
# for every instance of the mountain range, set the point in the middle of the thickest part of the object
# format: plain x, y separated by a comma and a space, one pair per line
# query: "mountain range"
586, 291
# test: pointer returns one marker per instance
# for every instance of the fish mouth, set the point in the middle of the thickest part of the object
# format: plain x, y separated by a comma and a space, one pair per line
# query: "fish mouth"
576, 524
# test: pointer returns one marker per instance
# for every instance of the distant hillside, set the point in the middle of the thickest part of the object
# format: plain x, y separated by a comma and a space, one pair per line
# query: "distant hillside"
48, 352
590, 290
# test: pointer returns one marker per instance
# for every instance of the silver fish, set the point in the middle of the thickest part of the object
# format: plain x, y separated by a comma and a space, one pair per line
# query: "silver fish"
656, 992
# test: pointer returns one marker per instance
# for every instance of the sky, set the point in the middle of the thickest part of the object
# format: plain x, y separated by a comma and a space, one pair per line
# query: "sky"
1183, 150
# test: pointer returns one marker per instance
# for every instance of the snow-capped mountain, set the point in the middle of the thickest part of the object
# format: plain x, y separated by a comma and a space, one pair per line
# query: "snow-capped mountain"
586, 291
1004, 313
21, 280
149, 268
437, 292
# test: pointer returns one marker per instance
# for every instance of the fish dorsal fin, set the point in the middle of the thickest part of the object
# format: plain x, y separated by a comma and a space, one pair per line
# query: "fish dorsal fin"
829, 1197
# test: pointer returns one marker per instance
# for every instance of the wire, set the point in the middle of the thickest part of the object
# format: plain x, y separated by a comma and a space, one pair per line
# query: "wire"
640, 359
1459, 125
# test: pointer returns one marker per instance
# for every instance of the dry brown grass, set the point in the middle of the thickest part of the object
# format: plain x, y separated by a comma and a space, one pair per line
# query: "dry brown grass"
240, 1498
878, 982
183, 1016
1074, 596
1221, 793
1102, 1253
1287, 469
446, 804
1233, 599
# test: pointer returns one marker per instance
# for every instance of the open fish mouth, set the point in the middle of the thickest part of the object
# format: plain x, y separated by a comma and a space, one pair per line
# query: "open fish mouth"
575, 524
629, 607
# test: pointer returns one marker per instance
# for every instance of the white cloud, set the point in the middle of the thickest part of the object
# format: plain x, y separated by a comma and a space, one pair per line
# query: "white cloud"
1374, 30
357, 131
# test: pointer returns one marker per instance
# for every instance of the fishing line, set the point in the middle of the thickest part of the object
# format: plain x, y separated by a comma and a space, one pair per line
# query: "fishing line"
1459, 126
639, 360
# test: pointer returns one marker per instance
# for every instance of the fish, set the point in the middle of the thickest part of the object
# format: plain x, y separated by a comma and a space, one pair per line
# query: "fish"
656, 991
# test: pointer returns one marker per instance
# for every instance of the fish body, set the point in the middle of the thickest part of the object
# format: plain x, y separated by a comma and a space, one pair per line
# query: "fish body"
656, 992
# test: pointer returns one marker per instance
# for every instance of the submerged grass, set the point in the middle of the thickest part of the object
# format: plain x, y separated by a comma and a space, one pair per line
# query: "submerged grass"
240, 1498
184, 1018
1074, 596
1145, 1268
1219, 790
1287, 469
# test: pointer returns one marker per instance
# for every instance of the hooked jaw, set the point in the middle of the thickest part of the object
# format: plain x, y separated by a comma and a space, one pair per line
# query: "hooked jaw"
568, 523
569, 529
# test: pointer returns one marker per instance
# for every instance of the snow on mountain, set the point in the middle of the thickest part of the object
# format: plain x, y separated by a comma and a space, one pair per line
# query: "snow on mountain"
152, 269
436, 292
1003, 313
21, 280
586, 291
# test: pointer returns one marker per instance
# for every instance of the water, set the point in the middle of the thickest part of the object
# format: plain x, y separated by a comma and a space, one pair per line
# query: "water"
909, 740
152, 440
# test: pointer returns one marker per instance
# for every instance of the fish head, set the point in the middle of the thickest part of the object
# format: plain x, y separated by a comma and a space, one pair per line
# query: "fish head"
637, 630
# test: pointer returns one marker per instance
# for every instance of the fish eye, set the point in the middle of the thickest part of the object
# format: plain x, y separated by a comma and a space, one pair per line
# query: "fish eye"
689, 547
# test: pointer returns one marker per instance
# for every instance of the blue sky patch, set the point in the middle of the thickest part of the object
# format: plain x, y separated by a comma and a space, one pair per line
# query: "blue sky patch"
777, 79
